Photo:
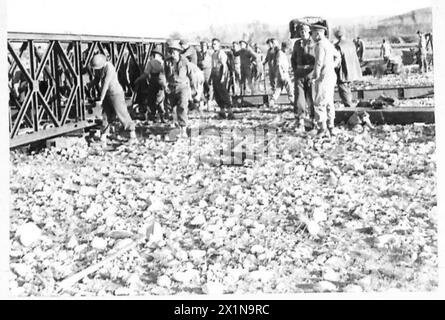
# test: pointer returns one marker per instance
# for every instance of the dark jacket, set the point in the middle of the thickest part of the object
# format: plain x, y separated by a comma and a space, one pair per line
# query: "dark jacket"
303, 58
349, 69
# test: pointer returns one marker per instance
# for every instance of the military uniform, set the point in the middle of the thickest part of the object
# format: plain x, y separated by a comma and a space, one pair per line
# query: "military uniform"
302, 60
325, 79
423, 65
179, 77
247, 57
205, 64
191, 55
155, 87
113, 98
282, 76
220, 71
348, 70
270, 59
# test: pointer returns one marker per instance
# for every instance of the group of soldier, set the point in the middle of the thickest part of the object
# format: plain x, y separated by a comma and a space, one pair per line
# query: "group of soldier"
189, 78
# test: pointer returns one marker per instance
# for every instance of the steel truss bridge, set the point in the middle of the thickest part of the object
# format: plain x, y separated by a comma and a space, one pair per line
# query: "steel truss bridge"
51, 85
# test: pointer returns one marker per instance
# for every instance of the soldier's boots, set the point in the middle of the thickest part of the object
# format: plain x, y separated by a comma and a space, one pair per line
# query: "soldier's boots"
300, 126
230, 115
332, 131
222, 114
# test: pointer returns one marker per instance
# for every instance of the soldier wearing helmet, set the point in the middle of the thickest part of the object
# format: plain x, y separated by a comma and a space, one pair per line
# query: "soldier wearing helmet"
112, 97
180, 89
154, 76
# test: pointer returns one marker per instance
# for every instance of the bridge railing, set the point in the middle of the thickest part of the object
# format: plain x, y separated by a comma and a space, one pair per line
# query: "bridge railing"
51, 84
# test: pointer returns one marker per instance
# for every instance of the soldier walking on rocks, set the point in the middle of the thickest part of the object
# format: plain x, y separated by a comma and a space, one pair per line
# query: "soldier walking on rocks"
112, 96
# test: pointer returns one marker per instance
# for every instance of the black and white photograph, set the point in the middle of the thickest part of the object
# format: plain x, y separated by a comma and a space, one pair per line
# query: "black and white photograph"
220, 149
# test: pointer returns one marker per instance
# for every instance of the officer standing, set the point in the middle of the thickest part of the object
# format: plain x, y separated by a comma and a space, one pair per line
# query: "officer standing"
349, 68
112, 97
302, 60
180, 80
219, 79
324, 79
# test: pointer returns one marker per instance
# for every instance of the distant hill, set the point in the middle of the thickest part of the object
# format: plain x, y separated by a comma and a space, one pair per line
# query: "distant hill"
402, 27
414, 18
399, 29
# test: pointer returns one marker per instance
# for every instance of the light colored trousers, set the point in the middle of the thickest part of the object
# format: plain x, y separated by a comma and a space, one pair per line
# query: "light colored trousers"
324, 102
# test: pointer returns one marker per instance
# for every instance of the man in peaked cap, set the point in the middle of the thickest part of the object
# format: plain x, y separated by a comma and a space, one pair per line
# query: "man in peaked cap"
302, 61
154, 76
323, 80
180, 80
112, 97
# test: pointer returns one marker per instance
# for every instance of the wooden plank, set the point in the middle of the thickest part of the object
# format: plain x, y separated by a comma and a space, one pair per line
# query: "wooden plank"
23, 139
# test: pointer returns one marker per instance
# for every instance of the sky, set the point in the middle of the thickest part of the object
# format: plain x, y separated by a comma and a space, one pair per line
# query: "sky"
159, 18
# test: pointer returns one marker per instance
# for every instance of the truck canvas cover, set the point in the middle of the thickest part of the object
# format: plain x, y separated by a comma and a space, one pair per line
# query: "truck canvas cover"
295, 24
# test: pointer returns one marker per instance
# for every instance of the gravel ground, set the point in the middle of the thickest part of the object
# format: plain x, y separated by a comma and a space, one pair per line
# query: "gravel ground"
356, 213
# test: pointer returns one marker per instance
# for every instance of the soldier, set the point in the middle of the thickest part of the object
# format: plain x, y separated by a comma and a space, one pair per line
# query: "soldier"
247, 57
324, 79
423, 66
270, 58
302, 60
112, 97
235, 63
282, 74
205, 64
154, 76
385, 51
360, 48
349, 68
197, 87
219, 79
257, 67
180, 80
189, 52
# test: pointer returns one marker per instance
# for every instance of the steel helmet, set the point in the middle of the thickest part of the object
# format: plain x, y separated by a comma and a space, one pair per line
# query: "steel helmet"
98, 61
